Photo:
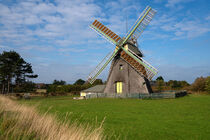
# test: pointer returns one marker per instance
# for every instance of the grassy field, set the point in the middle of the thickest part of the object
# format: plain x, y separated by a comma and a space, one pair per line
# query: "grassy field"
22, 122
183, 118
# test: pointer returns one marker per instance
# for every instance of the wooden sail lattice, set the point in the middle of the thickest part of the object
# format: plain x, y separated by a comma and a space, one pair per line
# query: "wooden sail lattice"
140, 24
143, 67
139, 64
105, 32
101, 66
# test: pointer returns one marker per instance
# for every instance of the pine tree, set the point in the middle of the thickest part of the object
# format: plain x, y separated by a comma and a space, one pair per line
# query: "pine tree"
13, 67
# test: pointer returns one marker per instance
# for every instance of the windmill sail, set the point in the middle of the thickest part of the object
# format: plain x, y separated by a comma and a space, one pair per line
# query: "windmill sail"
105, 32
101, 66
139, 64
140, 24
133, 59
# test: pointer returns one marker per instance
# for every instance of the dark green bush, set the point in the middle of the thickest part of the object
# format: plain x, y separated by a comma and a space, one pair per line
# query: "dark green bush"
63, 89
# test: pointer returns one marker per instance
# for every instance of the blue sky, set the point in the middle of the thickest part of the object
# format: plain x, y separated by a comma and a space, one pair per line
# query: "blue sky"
54, 35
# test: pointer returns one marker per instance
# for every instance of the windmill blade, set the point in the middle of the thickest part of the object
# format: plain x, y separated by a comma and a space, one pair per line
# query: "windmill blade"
140, 24
105, 32
139, 64
102, 65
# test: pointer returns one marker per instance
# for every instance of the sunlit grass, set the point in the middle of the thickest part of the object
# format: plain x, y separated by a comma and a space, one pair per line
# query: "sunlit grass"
182, 118
24, 122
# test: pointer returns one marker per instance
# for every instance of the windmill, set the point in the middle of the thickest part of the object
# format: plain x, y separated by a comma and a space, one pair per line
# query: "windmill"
129, 72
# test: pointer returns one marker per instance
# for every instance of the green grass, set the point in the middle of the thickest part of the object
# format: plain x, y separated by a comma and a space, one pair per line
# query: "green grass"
183, 118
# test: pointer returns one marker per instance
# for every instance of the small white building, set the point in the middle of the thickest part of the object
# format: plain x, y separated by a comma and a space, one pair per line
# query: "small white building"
95, 89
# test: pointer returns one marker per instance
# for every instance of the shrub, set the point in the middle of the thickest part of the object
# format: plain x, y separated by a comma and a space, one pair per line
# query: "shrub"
160, 78
199, 84
25, 87
174, 84
207, 84
63, 89
79, 82
160, 84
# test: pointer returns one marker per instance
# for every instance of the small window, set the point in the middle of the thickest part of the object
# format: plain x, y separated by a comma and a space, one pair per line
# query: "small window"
121, 67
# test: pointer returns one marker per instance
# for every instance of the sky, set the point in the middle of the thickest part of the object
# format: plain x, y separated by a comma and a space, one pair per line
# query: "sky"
55, 37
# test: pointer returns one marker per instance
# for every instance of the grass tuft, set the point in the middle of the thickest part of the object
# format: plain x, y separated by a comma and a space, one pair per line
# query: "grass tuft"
24, 122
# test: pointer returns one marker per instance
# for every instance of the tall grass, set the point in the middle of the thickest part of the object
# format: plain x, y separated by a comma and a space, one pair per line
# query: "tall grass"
24, 122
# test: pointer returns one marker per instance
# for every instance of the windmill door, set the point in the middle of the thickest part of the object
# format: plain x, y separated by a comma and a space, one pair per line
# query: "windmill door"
119, 87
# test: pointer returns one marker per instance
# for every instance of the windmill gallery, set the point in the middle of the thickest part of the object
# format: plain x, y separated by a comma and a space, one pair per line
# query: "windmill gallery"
129, 74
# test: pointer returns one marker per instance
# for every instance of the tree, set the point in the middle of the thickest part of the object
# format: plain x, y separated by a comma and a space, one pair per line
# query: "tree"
98, 82
160, 83
207, 85
174, 84
57, 82
23, 71
8, 65
184, 84
13, 66
79, 82
27, 86
160, 78
199, 84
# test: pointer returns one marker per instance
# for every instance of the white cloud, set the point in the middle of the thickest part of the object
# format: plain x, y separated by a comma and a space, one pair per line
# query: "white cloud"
190, 29
172, 27
208, 17
34, 28
39, 48
172, 3
70, 73
66, 50
158, 1
2, 47
66, 19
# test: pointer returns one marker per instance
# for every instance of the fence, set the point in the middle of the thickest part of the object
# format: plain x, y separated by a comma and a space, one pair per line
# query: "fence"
166, 95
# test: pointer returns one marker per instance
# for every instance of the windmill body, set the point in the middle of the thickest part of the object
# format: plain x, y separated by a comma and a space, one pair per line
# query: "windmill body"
123, 78
129, 72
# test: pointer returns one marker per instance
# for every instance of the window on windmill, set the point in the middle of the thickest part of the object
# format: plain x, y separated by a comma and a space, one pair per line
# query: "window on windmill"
121, 67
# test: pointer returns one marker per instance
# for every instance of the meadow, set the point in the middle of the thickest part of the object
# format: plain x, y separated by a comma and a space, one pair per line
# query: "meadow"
22, 122
182, 118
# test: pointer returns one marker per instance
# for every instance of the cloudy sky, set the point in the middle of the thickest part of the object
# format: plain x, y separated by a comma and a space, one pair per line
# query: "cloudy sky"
54, 35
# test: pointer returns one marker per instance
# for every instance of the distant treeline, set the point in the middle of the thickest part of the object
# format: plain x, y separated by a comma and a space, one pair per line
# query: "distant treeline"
15, 75
58, 87
61, 88
201, 84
